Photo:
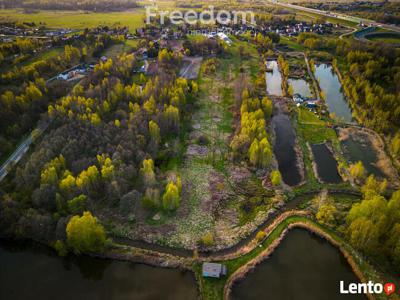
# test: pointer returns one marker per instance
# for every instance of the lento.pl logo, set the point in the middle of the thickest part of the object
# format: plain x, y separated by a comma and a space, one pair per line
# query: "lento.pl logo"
367, 288
207, 16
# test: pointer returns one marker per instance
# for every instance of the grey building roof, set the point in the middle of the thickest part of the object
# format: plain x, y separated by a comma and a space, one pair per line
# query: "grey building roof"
213, 270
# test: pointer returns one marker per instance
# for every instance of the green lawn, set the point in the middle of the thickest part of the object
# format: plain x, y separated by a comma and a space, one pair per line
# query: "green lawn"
291, 43
388, 40
76, 19
117, 49
45, 55
313, 129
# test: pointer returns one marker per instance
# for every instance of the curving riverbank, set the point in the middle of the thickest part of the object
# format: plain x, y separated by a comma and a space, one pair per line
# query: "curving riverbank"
359, 266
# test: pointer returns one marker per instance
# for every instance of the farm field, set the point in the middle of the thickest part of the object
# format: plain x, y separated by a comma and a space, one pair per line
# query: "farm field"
75, 19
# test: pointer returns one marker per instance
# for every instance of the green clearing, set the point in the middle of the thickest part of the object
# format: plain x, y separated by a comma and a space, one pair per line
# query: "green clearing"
388, 40
45, 55
291, 43
76, 19
212, 121
313, 129
117, 49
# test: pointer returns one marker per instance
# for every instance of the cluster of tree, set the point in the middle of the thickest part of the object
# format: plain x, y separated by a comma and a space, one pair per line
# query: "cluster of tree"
314, 41
25, 95
204, 47
251, 140
373, 225
357, 171
85, 234
170, 200
209, 66
90, 5
19, 113
19, 46
104, 145
45, 68
372, 84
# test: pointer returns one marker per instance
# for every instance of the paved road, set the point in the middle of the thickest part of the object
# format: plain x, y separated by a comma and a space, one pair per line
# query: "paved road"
19, 152
338, 16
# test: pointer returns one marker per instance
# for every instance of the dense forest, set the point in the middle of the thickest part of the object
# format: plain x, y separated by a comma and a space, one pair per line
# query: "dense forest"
106, 143
90, 5
24, 93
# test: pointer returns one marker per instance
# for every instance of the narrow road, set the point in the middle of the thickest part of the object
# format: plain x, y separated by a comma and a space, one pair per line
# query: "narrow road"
20, 151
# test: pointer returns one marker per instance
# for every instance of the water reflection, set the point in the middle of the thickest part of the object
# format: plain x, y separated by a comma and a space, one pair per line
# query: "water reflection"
300, 86
34, 272
274, 79
303, 267
335, 99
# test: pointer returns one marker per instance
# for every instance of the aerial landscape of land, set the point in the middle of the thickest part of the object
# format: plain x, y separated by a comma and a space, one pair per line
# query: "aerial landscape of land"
144, 158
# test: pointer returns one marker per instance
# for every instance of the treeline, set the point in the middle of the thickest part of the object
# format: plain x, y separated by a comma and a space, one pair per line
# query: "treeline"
90, 5
373, 225
203, 47
19, 46
251, 141
104, 149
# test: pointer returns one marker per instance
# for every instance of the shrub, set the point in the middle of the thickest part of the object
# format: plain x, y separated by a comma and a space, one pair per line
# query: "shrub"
260, 235
85, 234
276, 177
207, 239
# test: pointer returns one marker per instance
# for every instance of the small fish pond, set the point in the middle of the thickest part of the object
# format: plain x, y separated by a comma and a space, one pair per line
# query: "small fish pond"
326, 164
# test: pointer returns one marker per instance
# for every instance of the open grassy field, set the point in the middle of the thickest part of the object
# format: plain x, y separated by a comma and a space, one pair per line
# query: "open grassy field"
45, 55
118, 49
388, 40
313, 129
76, 19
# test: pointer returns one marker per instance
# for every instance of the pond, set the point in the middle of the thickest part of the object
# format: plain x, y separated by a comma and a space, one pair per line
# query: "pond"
326, 164
29, 270
332, 88
300, 86
274, 79
303, 267
284, 149
356, 150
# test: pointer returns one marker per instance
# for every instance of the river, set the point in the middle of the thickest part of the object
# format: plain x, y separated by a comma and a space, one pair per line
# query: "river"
31, 271
303, 267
